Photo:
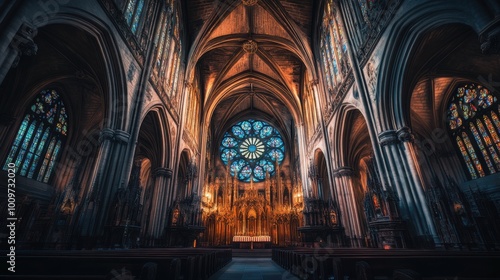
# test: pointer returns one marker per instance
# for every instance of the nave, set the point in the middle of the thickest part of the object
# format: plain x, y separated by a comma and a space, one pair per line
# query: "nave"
363, 127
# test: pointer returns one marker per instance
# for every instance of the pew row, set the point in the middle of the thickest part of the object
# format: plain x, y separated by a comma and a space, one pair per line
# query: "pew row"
144, 264
367, 264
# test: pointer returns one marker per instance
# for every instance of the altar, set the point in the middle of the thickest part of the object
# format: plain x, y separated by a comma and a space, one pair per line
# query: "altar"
251, 242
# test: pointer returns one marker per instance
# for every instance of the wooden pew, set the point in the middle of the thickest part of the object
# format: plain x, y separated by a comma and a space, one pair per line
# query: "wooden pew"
187, 264
316, 263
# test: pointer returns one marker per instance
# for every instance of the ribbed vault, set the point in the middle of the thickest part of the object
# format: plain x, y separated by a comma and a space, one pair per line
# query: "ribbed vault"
255, 52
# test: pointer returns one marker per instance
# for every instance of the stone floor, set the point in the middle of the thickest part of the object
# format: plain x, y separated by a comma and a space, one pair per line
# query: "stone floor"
252, 269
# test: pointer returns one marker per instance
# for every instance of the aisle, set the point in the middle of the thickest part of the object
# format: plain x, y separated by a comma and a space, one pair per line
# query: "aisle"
253, 269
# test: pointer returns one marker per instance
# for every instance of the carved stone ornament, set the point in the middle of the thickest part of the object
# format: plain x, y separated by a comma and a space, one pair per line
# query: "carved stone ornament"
249, 2
23, 42
250, 46
490, 40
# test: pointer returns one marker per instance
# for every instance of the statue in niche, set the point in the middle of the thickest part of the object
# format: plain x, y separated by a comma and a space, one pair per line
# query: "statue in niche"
376, 206
175, 216
372, 71
333, 217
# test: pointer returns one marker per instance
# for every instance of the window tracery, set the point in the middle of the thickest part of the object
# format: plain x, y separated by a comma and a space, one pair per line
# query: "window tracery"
251, 148
471, 115
40, 137
333, 46
166, 68
133, 14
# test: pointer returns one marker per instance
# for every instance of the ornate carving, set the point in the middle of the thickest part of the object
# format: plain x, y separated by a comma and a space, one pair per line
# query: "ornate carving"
490, 40
249, 2
117, 16
380, 17
335, 103
372, 73
23, 42
250, 46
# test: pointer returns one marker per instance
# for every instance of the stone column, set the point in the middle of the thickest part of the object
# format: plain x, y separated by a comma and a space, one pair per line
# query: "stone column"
402, 177
408, 151
160, 205
345, 194
107, 180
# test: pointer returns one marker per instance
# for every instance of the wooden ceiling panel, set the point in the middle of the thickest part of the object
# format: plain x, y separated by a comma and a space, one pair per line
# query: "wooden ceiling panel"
235, 23
266, 23
301, 12
242, 65
259, 65
197, 13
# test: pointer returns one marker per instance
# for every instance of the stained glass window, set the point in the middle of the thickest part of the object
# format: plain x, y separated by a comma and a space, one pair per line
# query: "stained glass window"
252, 148
466, 157
168, 44
471, 115
333, 46
133, 12
40, 136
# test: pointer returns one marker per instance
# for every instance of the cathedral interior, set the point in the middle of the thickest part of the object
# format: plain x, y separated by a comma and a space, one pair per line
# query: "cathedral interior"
134, 125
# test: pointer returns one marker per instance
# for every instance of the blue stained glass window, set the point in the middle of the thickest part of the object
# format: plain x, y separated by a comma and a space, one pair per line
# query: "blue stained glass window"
133, 14
275, 142
258, 172
266, 131
31, 151
238, 132
229, 142
252, 148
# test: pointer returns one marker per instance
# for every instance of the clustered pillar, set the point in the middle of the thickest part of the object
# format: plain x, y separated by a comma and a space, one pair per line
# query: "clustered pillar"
401, 175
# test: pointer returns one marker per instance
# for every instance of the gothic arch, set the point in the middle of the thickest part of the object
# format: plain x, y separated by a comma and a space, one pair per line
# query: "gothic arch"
405, 33
323, 186
185, 179
158, 122
114, 84
353, 151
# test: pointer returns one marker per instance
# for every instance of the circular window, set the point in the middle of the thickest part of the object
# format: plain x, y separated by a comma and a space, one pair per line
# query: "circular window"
252, 148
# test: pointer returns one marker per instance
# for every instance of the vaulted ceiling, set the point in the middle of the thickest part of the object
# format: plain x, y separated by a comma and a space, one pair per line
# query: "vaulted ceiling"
251, 58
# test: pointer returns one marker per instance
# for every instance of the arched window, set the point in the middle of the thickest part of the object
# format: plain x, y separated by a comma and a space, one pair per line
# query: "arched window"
252, 148
333, 46
40, 137
133, 13
168, 50
474, 125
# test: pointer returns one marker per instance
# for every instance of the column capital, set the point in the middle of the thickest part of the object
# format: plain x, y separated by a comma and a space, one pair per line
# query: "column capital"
344, 171
23, 41
162, 171
490, 39
121, 136
388, 137
313, 82
404, 134
106, 134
